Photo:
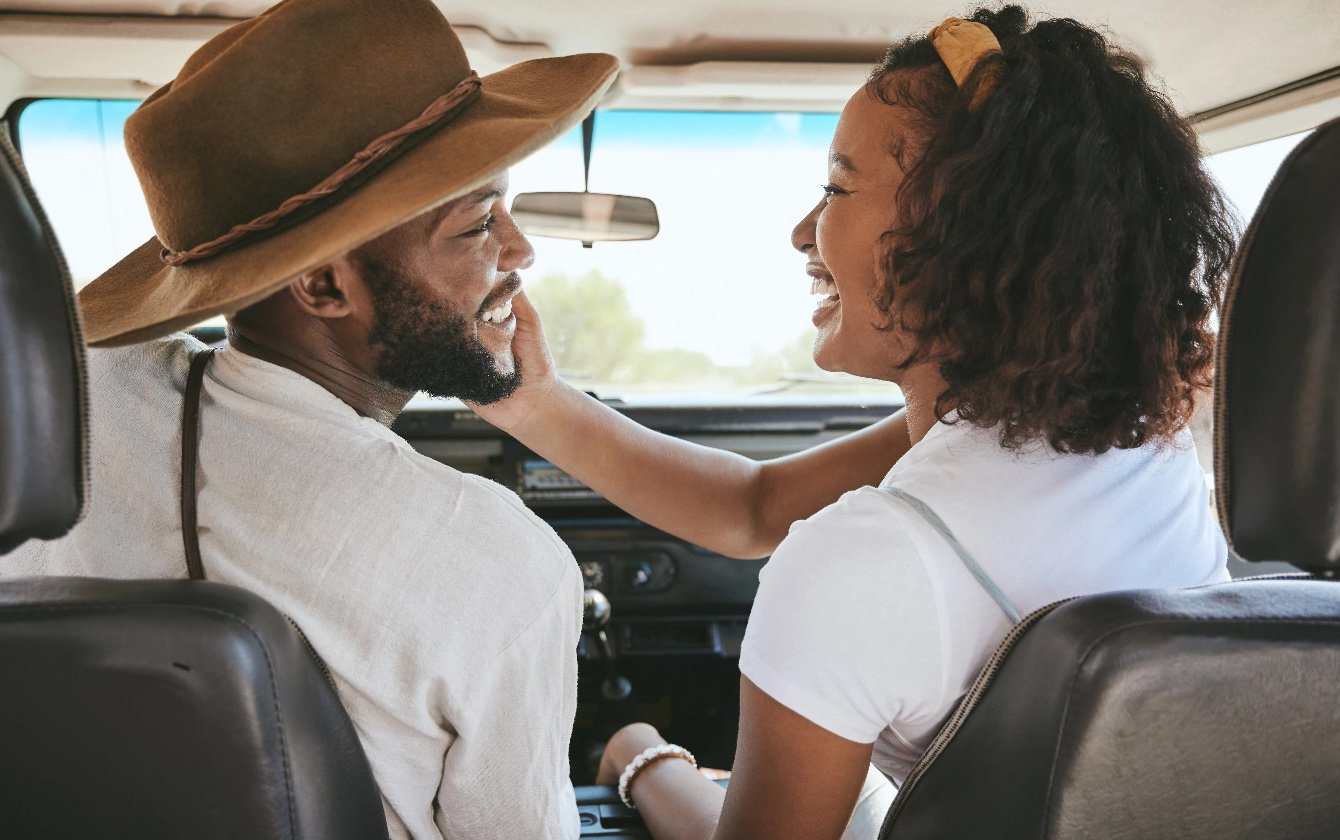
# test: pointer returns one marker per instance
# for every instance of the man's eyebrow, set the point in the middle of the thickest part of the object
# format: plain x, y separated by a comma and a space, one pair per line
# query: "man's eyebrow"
465, 203
841, 161
481, 196
445, 214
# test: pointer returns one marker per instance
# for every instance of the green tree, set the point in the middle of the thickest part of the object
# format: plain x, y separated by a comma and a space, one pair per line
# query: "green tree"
592, 331
598, 341
673, 366
794, 358
797, 356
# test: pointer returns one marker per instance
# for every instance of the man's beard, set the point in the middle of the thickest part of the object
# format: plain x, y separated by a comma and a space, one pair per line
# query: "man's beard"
425, 347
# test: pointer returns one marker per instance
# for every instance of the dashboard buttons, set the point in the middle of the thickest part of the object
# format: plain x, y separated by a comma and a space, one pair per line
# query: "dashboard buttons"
639, 574
652, 571
631, 571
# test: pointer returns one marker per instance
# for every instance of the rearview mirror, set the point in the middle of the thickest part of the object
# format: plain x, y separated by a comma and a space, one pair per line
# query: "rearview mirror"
586, 216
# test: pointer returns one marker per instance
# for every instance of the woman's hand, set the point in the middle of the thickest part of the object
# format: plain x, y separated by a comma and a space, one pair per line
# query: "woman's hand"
624, 746
538, 379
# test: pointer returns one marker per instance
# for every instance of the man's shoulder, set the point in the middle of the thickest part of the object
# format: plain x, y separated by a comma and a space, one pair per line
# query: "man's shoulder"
161, 360
502, 505
481, 513
480, 556
169, 346
484, 497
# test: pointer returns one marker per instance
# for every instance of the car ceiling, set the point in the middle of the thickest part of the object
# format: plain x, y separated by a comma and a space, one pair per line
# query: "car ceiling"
1209, 53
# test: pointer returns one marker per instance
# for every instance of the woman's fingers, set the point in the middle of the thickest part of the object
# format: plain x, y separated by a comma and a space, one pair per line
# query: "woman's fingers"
529, 345
531, 356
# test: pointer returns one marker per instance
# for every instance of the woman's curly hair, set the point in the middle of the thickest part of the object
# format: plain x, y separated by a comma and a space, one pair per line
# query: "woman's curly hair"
1059, 252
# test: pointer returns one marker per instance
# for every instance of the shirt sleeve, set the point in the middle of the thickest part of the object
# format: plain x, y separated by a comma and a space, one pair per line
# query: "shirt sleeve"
845, 627
506, 774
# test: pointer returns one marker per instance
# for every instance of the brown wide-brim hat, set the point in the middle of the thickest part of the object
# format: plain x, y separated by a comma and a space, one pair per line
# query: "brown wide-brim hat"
293, 137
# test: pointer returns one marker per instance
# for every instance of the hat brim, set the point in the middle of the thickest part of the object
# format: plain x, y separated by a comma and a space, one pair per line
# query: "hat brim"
519, 110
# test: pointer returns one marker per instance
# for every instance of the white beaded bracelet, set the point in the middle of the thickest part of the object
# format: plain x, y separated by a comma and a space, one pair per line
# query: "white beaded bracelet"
647, 756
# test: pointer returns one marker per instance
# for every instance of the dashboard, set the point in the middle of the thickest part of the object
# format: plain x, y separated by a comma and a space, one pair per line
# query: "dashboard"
643, 571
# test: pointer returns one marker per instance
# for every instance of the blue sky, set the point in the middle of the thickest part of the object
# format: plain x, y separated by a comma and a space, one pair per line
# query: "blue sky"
682, 128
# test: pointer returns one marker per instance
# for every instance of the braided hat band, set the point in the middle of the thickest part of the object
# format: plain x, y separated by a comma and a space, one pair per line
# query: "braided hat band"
960, 45
442, 108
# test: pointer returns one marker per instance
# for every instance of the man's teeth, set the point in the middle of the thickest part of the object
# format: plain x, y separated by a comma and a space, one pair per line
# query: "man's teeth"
498, 314
823, 286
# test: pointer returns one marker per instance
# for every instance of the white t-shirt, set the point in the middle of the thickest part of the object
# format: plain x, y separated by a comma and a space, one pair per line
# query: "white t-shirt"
869, 625
447, 612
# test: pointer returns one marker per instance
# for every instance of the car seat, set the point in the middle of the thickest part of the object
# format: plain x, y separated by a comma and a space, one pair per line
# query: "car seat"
138, 709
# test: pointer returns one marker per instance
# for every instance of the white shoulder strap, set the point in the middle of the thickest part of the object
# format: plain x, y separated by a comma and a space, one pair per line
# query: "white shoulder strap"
974, 568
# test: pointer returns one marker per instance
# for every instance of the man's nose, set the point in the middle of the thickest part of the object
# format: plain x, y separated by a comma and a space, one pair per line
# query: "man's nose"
803, 234
517, 253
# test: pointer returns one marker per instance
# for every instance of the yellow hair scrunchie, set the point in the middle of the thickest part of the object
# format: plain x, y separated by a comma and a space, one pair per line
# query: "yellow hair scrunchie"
961, 44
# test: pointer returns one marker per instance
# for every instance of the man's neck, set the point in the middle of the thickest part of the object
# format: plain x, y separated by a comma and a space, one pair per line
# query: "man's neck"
320, 359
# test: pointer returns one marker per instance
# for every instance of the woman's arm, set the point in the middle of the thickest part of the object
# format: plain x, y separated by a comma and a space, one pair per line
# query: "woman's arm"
792, 779
719, 500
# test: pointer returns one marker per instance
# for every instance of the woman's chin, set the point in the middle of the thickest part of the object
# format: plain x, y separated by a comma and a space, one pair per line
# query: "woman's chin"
828, 366
826, 356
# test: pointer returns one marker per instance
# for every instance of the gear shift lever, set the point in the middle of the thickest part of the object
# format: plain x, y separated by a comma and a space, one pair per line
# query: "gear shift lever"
595, 616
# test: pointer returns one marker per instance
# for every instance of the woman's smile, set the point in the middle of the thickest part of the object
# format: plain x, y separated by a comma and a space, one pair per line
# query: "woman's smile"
821, 283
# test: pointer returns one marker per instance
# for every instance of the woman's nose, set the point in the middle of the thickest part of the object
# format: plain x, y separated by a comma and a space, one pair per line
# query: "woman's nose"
802, 235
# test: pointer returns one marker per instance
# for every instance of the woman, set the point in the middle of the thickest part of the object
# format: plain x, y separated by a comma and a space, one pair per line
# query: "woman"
1017, 231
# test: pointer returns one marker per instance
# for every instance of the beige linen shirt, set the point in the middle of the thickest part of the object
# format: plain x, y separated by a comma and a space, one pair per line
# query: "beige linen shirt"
447, 612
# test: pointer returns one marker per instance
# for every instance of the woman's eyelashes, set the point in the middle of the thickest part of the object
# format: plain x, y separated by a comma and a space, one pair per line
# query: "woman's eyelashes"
831, 190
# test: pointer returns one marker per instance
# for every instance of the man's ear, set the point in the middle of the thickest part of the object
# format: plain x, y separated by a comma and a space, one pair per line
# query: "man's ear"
323, 292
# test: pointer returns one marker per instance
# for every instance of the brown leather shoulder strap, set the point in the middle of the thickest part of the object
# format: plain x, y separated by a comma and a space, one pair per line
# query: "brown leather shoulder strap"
190, 444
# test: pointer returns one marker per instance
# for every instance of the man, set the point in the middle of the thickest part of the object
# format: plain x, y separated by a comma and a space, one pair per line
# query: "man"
331, 176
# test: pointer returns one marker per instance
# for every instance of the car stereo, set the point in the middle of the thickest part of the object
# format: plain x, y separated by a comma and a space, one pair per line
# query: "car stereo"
541, 481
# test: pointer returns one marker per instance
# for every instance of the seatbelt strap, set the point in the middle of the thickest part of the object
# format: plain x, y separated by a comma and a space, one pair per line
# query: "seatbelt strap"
190, 447
974, 568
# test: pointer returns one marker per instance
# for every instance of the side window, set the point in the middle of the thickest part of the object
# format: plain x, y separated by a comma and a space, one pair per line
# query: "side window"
74, 152
1244, 175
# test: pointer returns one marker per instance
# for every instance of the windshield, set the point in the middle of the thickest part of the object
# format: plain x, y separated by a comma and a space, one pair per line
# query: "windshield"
718, 303
714, 310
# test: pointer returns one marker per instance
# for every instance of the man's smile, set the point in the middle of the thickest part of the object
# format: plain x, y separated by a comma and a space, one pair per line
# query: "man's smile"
496, 310
498, 314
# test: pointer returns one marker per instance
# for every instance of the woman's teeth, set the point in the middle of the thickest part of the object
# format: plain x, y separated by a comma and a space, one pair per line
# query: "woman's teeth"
499, 313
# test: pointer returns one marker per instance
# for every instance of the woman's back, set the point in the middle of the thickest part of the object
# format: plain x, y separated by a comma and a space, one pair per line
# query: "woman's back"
870, 625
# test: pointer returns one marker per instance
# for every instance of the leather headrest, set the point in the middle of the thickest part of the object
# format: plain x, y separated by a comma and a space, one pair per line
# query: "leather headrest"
1277, 418
43, 398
